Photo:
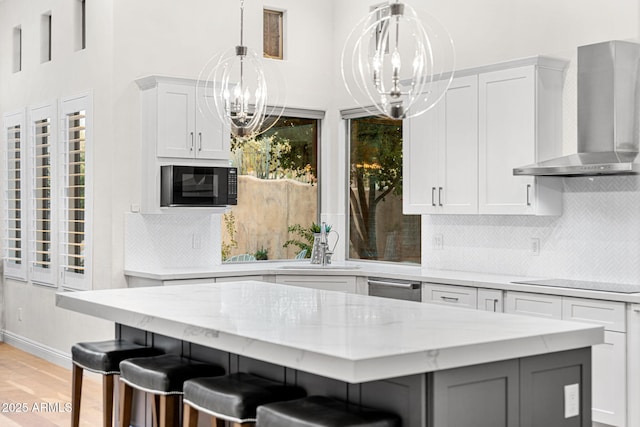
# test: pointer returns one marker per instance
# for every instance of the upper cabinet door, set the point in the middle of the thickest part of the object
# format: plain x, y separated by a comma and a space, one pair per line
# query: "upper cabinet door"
212, 136
520, 122
420, 161
183, 129
506, 139
458, 154
440, 154
176, 120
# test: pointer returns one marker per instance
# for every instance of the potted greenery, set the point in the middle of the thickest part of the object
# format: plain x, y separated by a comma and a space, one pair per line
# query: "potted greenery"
262, 254
306, 236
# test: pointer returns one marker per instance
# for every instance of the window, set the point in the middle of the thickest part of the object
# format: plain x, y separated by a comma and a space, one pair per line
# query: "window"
272, 34
17, 49
42, 248
80, 19
45, 37
278, 190
377, 228
47, 183
15, 221
75, 244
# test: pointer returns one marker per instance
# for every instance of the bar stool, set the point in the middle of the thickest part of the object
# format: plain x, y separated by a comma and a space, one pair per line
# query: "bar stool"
163, 376
232, 398
321, 411
102, 357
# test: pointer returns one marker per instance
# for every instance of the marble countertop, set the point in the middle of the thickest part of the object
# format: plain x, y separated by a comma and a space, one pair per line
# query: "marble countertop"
380, 269
348, 337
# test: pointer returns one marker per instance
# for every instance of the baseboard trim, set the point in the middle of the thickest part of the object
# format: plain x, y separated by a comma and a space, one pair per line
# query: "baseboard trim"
37, 349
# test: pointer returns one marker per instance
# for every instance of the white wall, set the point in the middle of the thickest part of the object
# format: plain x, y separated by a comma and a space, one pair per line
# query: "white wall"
45, 328
129, 39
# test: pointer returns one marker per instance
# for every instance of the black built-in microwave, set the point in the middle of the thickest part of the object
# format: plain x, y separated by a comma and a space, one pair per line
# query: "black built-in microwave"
198, 186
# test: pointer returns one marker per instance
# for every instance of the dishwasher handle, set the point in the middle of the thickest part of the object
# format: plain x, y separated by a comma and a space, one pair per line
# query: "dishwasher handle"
403, 285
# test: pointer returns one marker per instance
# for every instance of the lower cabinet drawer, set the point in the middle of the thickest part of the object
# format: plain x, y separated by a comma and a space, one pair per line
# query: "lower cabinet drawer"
460, 296
610, 314
539, 305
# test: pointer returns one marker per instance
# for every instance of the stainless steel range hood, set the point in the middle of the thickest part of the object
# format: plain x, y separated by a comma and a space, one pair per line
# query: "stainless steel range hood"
608, 115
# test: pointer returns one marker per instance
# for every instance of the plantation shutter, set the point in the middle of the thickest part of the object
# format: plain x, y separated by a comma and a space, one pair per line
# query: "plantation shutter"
43, 225
14, 242
75, 193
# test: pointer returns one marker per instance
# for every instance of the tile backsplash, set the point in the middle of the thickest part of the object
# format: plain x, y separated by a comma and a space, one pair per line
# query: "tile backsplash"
597, 237
171, 241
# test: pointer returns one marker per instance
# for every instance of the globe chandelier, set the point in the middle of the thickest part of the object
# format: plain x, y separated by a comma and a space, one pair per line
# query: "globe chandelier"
241, 89
396, 62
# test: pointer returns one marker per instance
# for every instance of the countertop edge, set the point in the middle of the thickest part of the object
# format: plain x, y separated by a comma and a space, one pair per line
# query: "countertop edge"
382, 270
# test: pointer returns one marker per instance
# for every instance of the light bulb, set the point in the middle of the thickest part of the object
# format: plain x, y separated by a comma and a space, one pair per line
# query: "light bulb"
396, 62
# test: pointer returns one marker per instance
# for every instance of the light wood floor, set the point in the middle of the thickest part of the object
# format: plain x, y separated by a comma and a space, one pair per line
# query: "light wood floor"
34, 392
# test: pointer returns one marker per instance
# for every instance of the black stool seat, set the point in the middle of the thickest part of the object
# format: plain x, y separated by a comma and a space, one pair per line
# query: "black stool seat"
104, 357
320, 411
164, 374
236, 397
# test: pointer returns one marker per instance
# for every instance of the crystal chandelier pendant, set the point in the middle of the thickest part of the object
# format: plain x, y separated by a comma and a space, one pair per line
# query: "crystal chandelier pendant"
398, 63
243, 91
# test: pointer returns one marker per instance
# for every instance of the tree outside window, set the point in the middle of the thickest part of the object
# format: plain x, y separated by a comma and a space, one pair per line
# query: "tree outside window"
377, 228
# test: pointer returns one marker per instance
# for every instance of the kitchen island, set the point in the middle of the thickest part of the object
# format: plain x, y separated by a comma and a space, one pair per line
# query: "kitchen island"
433, 365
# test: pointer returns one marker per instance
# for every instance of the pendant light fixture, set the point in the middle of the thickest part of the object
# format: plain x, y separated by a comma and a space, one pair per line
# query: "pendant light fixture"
240, 89
397, 63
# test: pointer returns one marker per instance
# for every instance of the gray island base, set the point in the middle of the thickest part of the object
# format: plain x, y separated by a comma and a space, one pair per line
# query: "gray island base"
434, 366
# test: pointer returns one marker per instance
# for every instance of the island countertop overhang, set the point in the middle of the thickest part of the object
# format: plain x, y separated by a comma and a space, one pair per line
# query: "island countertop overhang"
352, 338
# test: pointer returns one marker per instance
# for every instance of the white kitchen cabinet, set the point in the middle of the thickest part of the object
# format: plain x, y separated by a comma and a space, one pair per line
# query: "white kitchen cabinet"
610, 314
529, 304
441, 156
329, 283
609, 360
458, 157
461, 296
609, 380
490, 300
174, 131
520, 122
175, 123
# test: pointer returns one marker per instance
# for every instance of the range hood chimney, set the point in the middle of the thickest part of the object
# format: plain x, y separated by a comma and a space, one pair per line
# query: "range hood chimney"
608, 114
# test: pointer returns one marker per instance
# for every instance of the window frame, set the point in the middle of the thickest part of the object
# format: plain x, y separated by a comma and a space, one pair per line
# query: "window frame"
68, 107
281, 14
41, 275
347, 115
11, 269
319, 117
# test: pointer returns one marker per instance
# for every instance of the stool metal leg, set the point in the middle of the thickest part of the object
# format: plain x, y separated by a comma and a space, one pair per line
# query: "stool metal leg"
126, 398
76, 393
107, 400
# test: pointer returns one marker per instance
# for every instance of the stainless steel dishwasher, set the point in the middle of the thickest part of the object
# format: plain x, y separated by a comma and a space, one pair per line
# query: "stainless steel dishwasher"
396, 289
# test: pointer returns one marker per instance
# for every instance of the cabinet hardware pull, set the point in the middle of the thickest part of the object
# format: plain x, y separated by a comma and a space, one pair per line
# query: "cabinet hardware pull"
199, 141
449, 299
407, 285
439, 196
433, 196
528, 194
192, 142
